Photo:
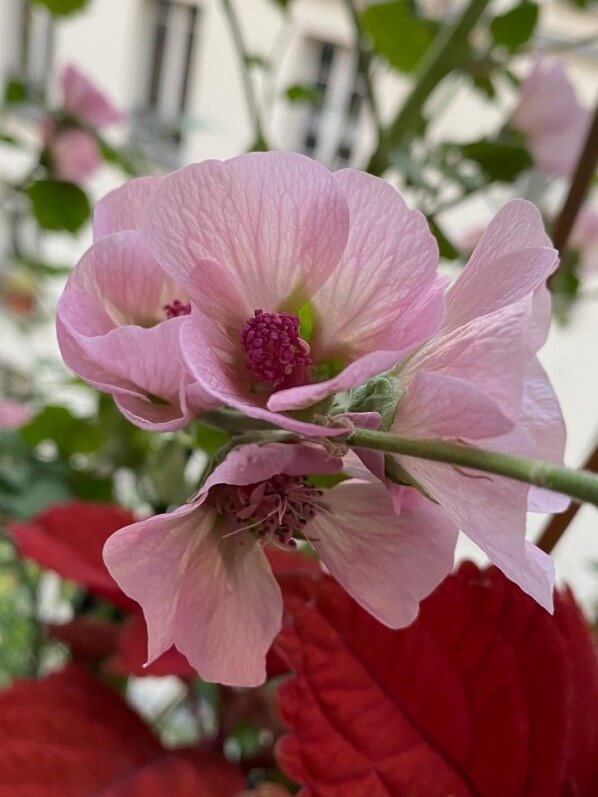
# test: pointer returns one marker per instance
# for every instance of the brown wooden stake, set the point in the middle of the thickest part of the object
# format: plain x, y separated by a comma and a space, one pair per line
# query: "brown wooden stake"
563, 226
558, 524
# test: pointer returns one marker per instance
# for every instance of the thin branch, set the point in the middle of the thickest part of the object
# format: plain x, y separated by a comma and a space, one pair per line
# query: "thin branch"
580, 185
444, 51
559, 524
577, 484
248, 87
364, 63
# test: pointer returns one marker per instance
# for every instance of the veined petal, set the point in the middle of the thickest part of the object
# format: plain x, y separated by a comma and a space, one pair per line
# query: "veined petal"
490, 352
255, 463
439, 405
543, 419
214, 597
389, 262
122, 209
278, 221
490, 510
513, 257
124, 280
387, 563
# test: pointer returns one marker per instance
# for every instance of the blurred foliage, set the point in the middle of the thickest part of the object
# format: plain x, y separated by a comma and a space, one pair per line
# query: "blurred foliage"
62, 8
516, 27
58, 205
397, 33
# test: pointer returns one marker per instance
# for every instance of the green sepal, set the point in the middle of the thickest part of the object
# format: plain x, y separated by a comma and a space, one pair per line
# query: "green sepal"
381, 394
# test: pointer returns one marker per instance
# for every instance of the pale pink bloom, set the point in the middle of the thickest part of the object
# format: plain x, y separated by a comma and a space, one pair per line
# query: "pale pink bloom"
85, 101
584, 238
204, 582
479, 382
303, 283
14, 414
74, 154
120, 316
551, 118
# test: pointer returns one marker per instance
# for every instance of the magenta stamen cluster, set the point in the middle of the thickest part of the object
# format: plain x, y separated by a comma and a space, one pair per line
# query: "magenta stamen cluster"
176, 308
273, 347
275, 509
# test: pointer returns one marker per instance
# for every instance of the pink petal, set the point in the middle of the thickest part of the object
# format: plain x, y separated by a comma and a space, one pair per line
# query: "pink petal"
216, 363
513, 257
134, 365
389, 262
438, 405
14, 414
122, 209
119, 277
74, 155
491, 511
215, 598
543, 420
278, 221
255, 463
387, 563
84, 100
490, 352
357, 373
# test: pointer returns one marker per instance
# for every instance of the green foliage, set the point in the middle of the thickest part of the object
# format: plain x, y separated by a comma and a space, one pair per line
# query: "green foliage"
59, 205
500, 160
70, 434
397, 34
306, 94
209, 438
62, 8
15, 92
516, 27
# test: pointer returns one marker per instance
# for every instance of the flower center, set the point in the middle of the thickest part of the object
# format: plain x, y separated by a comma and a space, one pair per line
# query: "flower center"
176, 308
275, 509
275, 352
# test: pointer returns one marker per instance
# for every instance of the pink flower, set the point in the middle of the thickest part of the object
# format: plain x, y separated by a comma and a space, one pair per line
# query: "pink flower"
584, 238
83, 100
303, 283
73, 151
74, 154
552, 119
204, 582
120, 316
479, 382
13, 414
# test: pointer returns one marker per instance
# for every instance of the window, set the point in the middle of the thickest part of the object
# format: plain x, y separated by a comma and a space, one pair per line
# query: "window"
332, 127
172, 43
32, 45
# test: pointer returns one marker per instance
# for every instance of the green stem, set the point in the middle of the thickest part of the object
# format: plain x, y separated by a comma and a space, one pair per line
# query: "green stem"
577, 484
444, 51
250, 96
364, 64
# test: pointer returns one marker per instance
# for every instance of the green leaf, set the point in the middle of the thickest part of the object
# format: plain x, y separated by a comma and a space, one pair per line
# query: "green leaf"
397, 34
299, 93
72, 435
501, 161
209, 438
253, 59
59, 205
15, 92
62, 8
516, 27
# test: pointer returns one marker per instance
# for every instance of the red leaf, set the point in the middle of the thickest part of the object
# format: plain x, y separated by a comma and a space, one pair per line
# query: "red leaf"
485, 695
71, 736
89, 639
131, 654
69, 538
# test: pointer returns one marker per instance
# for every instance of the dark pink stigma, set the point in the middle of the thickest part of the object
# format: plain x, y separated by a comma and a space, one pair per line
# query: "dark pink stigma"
274, 350
275, 509
176, 308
